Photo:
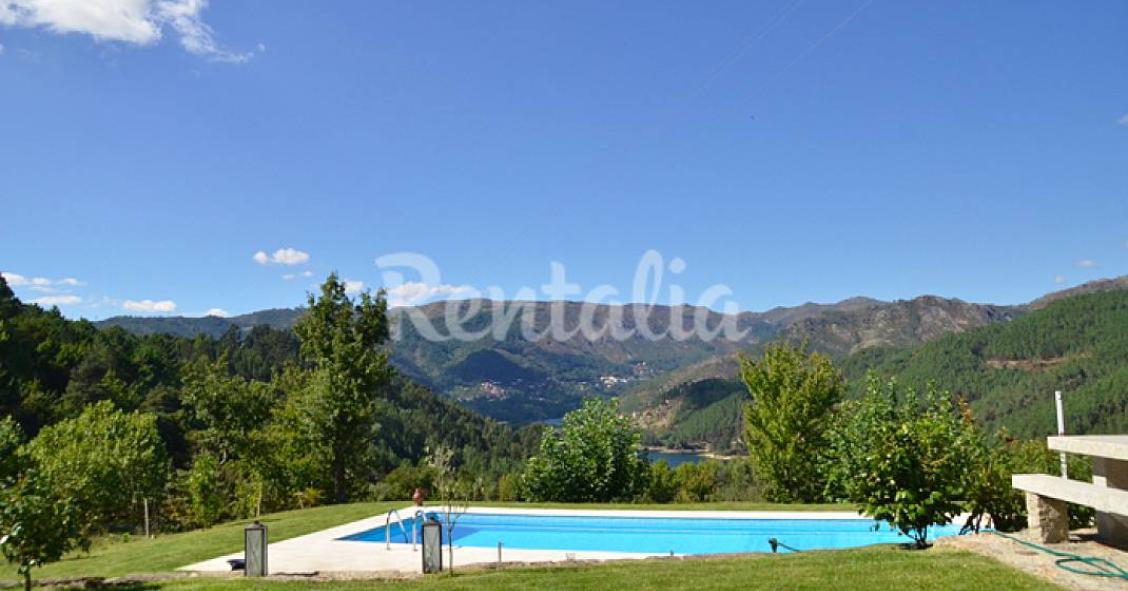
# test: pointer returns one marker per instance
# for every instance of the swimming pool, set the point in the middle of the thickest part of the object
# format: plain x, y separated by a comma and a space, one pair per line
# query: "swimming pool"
654, 535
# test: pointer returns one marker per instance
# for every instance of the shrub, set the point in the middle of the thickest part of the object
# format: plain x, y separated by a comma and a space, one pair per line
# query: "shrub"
37, 524
904, 462
594, 458
663, 487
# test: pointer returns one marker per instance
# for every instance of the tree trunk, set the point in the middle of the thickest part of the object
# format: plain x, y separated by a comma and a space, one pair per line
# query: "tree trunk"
27, 580
339, 490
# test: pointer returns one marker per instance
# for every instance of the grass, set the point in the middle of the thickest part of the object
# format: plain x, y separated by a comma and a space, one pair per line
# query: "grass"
864, 568
879, 567
114, 558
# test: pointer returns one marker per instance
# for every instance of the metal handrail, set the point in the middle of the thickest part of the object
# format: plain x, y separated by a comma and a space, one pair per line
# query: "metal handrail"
388, 530
419, 517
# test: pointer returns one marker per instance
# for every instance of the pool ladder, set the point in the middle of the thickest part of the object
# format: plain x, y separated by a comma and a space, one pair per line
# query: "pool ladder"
418, 518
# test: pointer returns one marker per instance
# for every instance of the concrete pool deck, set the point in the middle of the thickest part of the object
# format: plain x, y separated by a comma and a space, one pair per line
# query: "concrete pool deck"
324, 551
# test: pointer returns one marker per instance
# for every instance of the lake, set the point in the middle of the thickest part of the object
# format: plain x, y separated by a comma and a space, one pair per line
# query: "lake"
674, 460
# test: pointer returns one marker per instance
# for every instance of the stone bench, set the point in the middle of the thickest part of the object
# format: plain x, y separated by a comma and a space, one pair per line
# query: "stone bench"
1048, 518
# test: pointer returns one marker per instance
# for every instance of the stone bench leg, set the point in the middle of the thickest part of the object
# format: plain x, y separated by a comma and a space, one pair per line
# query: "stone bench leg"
1047, 519
1111, 529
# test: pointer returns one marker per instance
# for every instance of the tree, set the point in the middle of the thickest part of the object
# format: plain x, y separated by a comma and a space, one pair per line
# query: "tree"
105, 459
785, 424
905, 461
37, 525
229, 409
341, 339
11, 436
205, 497
594, 458
452, 504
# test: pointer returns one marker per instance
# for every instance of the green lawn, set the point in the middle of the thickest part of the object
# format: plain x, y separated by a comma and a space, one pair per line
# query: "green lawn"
110, 558
167, 552
845, 569
882, 568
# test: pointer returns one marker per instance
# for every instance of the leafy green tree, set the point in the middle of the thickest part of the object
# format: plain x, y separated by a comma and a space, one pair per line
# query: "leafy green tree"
595, 458
342, 340
905, 461
785, 424
696, 481
663, 487
230, 411
11, 437
37, 525
205, 493
106, 459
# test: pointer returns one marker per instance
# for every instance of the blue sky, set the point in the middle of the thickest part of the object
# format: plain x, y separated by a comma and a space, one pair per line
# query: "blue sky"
791, 150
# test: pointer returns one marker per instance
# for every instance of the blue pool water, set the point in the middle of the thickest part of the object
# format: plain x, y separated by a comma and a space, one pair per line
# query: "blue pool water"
655, 535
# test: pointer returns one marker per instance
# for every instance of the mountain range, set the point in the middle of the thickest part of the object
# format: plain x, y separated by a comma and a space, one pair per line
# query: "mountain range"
514, 379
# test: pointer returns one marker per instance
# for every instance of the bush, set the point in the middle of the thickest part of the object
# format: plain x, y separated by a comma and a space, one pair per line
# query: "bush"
106, 459
509, 487
903, 462
400, 483
37, 524
663, 487
594, 458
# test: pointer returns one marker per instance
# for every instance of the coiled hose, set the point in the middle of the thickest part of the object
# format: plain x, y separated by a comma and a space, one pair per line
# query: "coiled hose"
1093, 565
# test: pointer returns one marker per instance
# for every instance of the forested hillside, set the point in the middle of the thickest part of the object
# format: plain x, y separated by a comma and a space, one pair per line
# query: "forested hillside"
218, 398
1010, 371
505, 375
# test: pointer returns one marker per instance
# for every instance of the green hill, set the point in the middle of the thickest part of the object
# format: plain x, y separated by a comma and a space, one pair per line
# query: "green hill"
506, 375
702, 414
51, 368
1009, 371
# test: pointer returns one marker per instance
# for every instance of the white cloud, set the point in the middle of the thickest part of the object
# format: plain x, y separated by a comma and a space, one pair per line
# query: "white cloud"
1059, 279
289, 276
14, 279
149, 306
59, 300
218, 312
353, 287
282, 256
411, 293
38, 283
140, 22
1086, 263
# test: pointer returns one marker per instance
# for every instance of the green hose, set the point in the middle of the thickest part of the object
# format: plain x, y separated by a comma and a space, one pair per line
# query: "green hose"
1094, 566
